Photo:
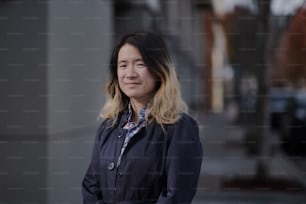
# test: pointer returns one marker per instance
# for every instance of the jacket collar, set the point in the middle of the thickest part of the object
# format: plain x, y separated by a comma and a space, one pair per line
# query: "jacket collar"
123, 117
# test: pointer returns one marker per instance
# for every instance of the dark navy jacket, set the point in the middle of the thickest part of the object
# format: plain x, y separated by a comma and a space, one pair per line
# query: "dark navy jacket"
160, 167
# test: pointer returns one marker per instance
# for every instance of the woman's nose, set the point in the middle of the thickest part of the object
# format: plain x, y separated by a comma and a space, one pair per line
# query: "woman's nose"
131, 72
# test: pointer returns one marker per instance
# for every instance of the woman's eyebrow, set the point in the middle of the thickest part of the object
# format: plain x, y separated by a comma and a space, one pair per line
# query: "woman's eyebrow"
138, 60
122, 61
135, 60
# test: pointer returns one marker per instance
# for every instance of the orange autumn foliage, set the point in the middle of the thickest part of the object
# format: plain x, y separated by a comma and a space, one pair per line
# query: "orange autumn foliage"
291, 56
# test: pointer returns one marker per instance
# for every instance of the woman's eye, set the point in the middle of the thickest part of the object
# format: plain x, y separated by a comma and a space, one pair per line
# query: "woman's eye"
140, 65
122, 66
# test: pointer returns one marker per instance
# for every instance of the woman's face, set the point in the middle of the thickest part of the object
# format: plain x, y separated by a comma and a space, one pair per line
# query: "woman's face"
135, 79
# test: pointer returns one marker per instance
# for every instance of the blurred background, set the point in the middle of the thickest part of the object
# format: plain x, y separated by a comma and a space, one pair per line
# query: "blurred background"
242, 67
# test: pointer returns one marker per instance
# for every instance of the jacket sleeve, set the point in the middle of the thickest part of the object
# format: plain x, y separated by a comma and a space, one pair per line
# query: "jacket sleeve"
183, 163
90, 186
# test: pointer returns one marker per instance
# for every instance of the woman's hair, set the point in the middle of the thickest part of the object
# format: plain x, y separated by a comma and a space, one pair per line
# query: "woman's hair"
166, 104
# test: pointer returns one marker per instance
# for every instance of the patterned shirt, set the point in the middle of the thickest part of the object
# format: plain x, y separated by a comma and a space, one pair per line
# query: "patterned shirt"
132, 129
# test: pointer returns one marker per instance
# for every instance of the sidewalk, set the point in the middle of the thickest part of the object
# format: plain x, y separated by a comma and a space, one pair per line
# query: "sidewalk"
225, 158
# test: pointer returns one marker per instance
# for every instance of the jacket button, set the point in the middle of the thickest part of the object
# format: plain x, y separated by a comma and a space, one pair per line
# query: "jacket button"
121, 133
111, 166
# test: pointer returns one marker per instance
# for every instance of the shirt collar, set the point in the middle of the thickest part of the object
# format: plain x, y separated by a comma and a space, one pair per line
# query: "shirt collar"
141, 114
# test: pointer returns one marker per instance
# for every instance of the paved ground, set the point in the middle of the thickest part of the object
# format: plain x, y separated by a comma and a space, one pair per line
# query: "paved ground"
225, 158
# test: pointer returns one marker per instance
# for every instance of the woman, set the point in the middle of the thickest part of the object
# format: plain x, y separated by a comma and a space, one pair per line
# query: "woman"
147, 149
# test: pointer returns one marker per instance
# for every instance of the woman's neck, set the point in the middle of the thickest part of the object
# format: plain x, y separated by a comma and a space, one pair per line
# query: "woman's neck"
136, 107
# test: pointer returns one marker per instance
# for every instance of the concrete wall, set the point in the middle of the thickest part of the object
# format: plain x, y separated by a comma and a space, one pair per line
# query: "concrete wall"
22, 73
79, 44
53, 58
23, 89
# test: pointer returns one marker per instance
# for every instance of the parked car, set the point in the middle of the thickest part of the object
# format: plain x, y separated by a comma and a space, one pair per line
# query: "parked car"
279, 98
278, 102
287, 109
293, 125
